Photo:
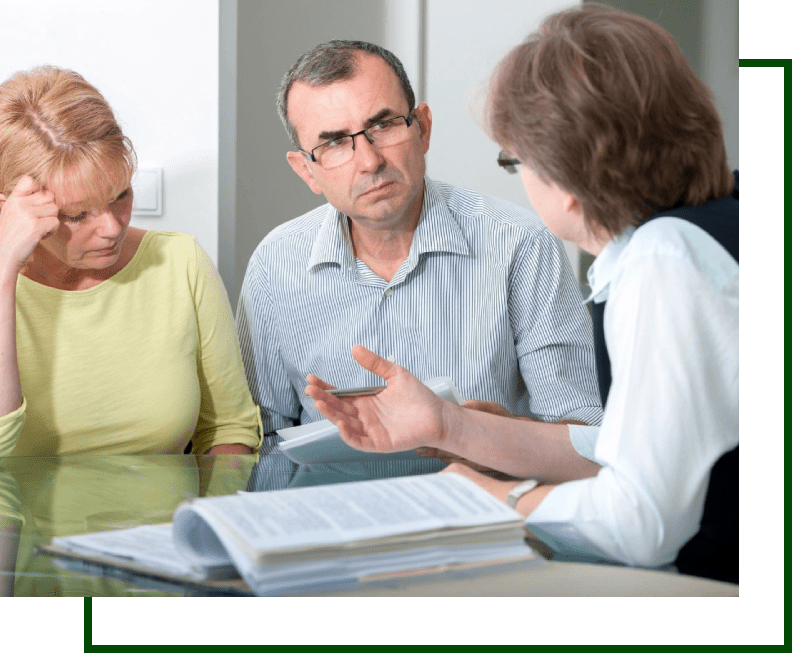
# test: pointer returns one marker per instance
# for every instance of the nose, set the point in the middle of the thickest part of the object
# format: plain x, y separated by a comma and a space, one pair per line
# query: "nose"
367, 156
110, 224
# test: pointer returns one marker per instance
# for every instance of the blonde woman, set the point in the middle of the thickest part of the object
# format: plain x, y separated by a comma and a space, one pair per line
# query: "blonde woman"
113, 340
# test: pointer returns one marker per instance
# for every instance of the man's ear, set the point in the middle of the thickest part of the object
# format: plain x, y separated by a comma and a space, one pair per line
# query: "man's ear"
300, 166
423, 115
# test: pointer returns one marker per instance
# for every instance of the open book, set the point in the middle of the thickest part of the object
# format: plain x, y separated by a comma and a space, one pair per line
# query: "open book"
320, 537
319, 442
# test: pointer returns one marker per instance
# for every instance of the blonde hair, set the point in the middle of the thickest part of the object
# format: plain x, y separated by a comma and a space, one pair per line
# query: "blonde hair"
58, 129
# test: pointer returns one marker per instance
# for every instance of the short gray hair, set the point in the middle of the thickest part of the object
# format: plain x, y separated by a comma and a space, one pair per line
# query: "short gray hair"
331, 62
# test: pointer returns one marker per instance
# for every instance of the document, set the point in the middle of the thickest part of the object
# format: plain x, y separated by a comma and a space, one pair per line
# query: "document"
320, 442
330, 536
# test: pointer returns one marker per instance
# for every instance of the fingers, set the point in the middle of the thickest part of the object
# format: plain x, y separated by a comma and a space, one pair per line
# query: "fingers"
31, 197
317, 390
347, 423
35, 193
338, 408
373, 363
316, 381
353, 436
25, 186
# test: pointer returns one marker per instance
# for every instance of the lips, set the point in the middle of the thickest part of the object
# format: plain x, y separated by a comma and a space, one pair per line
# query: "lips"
377, 188
107, 251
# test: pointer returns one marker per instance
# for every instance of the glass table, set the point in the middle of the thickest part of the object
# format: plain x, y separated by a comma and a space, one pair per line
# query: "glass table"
41, 498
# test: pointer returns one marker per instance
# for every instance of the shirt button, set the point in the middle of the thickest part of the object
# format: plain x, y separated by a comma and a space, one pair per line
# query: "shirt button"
389, 292
391, 359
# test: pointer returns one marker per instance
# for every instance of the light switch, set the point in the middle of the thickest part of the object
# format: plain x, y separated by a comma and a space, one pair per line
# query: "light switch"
147, 184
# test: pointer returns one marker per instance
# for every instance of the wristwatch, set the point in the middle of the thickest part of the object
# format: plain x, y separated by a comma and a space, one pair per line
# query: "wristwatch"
518, 490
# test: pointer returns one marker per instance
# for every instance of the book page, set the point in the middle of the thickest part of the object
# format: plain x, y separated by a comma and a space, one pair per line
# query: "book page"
150, 546
333, 514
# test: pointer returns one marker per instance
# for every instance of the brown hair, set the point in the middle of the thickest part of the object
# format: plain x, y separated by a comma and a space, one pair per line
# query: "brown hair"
58, 129
602, 103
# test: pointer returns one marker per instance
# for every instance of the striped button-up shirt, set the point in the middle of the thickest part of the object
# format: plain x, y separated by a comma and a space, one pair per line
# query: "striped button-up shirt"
486, 296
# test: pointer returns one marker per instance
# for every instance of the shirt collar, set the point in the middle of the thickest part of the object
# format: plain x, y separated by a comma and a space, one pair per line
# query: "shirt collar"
437, 231
601, 271
332, 243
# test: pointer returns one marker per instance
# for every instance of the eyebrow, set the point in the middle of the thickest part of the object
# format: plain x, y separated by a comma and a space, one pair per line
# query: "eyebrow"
331, 135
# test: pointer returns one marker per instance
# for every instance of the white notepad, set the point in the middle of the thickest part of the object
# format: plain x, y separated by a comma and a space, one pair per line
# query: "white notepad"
320, 442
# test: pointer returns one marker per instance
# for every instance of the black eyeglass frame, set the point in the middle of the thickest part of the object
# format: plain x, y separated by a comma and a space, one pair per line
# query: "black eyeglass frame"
408, 120
508, 163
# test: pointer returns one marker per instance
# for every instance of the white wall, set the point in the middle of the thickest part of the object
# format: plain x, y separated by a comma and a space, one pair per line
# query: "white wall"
156, 63
465, 39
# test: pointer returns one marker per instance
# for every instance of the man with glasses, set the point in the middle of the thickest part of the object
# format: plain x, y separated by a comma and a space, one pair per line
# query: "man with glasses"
441, 280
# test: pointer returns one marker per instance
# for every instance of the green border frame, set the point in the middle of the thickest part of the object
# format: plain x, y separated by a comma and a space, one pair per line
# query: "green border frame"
756, 617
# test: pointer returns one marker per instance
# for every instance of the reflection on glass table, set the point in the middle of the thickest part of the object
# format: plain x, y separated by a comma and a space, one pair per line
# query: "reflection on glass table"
42, 498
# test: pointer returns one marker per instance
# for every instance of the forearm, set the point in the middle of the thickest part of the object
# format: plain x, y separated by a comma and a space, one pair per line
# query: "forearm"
518, 447
10, 388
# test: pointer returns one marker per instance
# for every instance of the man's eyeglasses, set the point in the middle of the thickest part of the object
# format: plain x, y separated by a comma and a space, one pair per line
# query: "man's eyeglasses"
339, 151
508, 163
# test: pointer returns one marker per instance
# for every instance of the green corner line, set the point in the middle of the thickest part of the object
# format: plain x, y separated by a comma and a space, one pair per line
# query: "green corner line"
764, 63
87, 624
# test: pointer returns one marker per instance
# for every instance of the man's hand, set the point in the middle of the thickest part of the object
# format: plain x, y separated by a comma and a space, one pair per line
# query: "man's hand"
404, 416
449, 459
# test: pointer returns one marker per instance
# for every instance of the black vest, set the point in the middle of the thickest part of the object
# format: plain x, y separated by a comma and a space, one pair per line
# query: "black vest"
713, 551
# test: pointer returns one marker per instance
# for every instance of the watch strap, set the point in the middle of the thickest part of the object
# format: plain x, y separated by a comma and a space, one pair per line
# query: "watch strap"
518, 490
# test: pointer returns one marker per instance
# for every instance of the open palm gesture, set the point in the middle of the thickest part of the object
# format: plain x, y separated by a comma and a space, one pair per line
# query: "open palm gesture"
404, 416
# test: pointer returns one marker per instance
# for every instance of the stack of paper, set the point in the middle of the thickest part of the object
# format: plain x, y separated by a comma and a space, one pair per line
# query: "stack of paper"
320, 537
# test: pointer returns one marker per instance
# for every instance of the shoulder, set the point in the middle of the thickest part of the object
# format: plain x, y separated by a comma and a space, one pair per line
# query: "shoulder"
304, 227
174, 254
485, 211
501, 231
690, 246
296, 235
171, 244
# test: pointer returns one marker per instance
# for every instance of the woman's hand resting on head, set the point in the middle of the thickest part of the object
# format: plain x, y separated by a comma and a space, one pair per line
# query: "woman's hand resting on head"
28, 215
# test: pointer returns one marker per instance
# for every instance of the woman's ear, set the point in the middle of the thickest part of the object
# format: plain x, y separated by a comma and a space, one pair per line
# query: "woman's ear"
572, 205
